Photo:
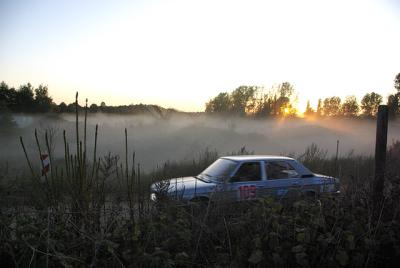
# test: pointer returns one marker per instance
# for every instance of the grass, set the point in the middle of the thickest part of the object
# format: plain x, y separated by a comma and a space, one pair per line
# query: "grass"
95, 211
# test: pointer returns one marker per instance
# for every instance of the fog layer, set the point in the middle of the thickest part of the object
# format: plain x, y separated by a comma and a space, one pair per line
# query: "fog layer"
184, 137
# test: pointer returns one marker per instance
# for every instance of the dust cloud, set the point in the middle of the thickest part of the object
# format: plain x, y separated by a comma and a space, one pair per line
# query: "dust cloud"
184, 137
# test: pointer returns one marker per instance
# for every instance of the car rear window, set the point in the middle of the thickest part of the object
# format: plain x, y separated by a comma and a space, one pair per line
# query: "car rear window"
280, 170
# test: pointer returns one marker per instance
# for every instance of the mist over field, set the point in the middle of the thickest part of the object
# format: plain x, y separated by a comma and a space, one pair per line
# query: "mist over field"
184, 137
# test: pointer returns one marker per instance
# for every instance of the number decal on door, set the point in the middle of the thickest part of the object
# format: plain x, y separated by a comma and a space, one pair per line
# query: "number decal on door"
247, 192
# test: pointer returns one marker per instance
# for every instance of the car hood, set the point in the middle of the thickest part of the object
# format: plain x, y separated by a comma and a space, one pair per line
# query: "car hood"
328, 179
188, 186
190, 183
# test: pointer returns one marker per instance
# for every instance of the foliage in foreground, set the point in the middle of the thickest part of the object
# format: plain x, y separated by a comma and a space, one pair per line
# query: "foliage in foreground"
325, 232
329, 232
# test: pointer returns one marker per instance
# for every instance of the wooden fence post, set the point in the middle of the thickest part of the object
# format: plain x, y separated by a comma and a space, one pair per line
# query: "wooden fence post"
380, 156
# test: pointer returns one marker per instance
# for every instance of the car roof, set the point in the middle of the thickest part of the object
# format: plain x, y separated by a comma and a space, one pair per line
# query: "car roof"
256, 157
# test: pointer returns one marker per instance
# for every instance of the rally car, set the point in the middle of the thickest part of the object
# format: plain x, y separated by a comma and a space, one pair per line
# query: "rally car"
239, 178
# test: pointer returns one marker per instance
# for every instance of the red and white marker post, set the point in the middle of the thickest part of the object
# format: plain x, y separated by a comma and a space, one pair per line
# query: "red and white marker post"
46, 164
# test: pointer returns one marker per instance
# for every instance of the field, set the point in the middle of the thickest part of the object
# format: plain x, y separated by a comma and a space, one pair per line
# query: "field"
93, 208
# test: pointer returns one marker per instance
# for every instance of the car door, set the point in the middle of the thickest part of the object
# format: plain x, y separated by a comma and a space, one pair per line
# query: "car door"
246, 182
282, 179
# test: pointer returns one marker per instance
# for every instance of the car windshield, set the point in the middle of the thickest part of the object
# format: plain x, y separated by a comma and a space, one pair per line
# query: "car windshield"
220, 169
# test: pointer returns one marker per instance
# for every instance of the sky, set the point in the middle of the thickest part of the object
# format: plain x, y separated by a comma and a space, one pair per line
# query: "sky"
182, 53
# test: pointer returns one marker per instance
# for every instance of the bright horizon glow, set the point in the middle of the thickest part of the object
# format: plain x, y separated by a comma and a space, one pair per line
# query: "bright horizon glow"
180, 53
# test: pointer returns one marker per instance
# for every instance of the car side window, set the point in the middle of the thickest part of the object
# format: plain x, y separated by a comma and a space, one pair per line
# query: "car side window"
249, 171
280, 170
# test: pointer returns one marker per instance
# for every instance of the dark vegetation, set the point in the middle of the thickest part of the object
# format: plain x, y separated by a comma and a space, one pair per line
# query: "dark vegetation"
95, 211
254, 101
249, 101
27, 99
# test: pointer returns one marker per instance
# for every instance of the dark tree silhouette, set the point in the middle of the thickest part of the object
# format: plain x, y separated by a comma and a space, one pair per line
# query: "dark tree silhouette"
283, 104
62, 107
350, 107
42, 100
24, 99
309, 110
285, 90
370, 103
4, 94
394, 105
71, 107
93, 108
265, 105
397, 82
319, 108
332, 106
8, 96
240, 102
252, 101
240, 99
220, 104
394, 99
7, 122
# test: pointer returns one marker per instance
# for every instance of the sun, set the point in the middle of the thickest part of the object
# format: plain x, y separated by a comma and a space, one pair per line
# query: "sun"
286, 111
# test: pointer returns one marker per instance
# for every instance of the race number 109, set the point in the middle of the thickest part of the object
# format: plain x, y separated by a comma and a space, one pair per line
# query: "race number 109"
247, 192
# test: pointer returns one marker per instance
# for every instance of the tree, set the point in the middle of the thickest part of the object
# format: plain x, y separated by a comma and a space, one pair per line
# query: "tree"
62, 107
350, 106
265, 105
24, 98
72, 107
309, 111
394, 99
7, 96
220, 104
332, 106
319, 108
4, 93
397, 82
240, 98
370, 103
93, 108
103, 107
394, 105
42, 99
285, 90
251, 101
7, 122
283, 104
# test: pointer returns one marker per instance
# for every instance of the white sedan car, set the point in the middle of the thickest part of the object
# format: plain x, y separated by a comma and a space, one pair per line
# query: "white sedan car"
238, 178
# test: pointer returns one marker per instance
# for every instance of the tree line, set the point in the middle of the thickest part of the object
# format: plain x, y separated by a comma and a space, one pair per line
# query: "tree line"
246, 101
27, 99
254, 101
